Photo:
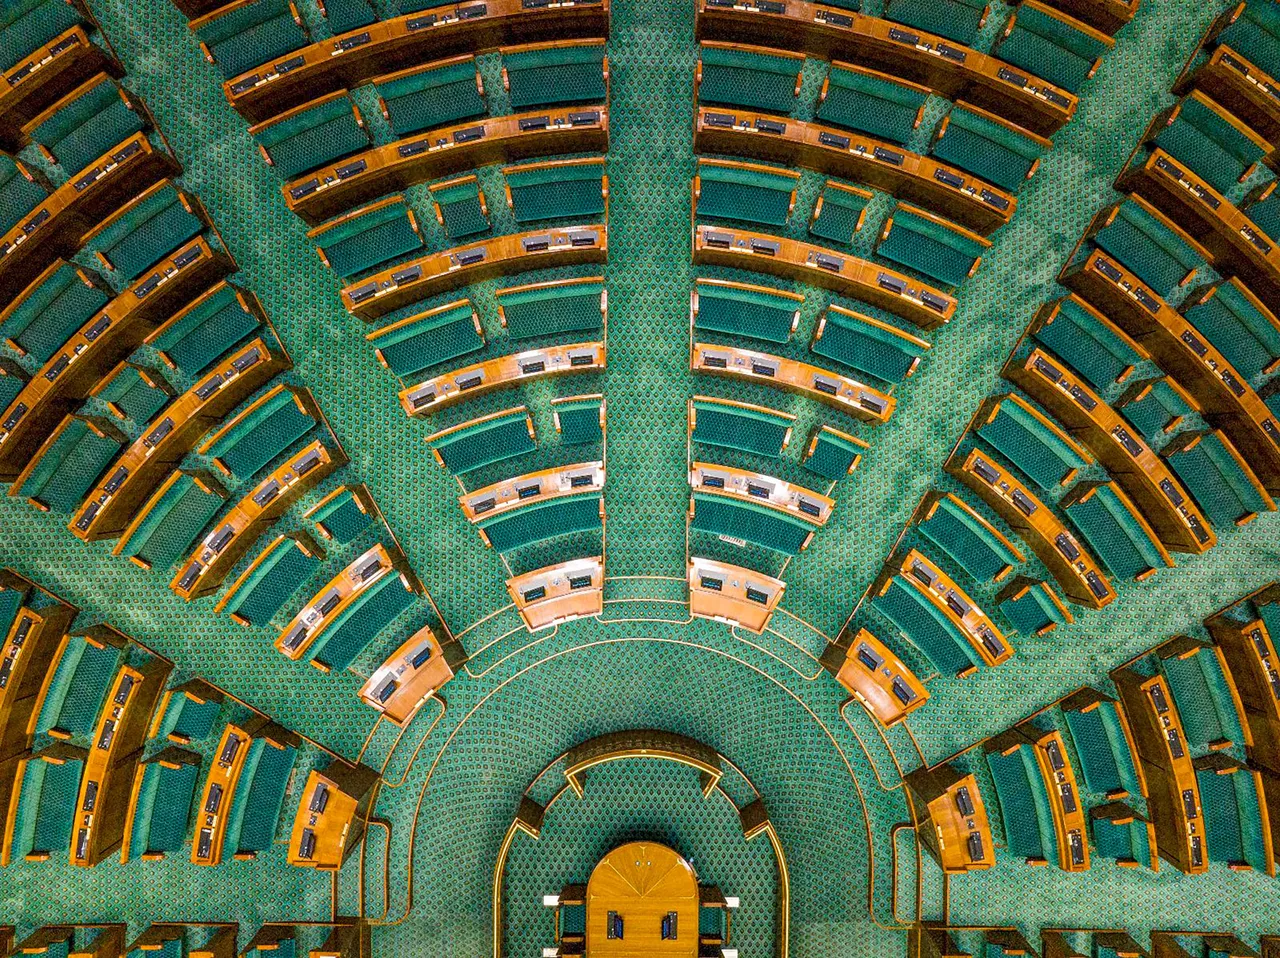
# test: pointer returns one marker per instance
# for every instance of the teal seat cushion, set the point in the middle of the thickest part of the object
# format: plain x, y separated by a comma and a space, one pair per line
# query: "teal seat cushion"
924, 244
367, 238
55, 794
172, 523
1150, 246
147, 232
542, 521
206, 330
839, 213
244, 37
1216, 476
484, 443
859, 99
927, 629
743, 193
70, 464
1089, 343
280, 572
557, 190
1024, 804
745, 311
80, 681
435, 95
1039, 450
867, 346
1154, 407
262, 798
768, 528
760, 431
361, 622
164, 808
26, 25
1263, 208
554, 308
1051, 47
1239, 327
51, 310
1202, 692
263, 431
579, 421
419, 342
832, 454
344, 15
1115, 534
1201, 136
1033, 610
87, 124
996, 152
461, 209
132, 395
1255, 34
313, 137
18, 194
568, 74
957, 20
969, 543
342, 517
1106, 760
748, 79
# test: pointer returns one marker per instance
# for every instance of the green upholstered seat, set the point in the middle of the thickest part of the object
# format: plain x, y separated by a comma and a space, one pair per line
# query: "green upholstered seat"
1148, 244
88, 122
867, 345
1202, 692
26, 25
320, 133
205, 331
1255, 34
19, 194
132, 394
1052, 46
344, 15
172, 522
163, 810
419, 342
79, 685
543, 520
255, 810
1032, 610
460, 207
241, 38
860, 99
368, 237
70, 463
1201, 136
341, 517
47, 808
1154, 406
435, 95
1235, 827
572, 189
550, 309
1106, 758
750, 79
413, 6
485, 442
258, 434
50, 310
1124, 841
361, 621
280, 571
743, 192
1115, 534
1024, 804
839, 212
832, 454
1217, 477
997, 152
146, 232
927, 628
1262, 206
188, 718
739, 310
761, 431
928, 245
1239, 327
12, 380
957, 20
1090, 344
768, 528
962, 535
1042, 451
573, 73
579, 419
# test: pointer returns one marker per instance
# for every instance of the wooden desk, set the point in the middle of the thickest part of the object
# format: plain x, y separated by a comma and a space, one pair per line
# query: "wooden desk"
1144, 476
813, 382
92, 352
413, 672
896, 292
450, 150
46, 75
29, 650
322, 824
653, 892
951, 802
756, 487
559, 593
357, 56
519, 491
501, 372
56, 227
954, 604
114, 752
217, 554
934, 499
732, 594
1077, 572
855, 156
947, 67
436, 273
112, 503
1250, 93
1059, 776
1228, 400
1174, 800
1254, 664
221, 782
327, 605
877, 678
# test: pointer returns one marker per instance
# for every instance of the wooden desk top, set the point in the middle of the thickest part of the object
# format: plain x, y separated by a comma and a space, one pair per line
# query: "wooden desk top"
330, 602
642, 882
878, 679
29, 649
447, 151
169, 437
354, 57
1248, 91
218, 795
1254, 664
1059, 776
833, 389
955, 605
44, 76
961, 835
813, 507
559, 593
435, 273
420, 667
1078, 573
943, 65
855, 156
896, 292
217, 554
501, 372
732, 594
321, 824
1181, 350
519, 491
1144, 476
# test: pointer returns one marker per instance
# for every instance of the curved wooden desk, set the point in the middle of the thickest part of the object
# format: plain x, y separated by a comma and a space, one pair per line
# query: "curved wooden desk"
29, 651
218, 794
954, 604
559, 593
44, 76
855, 156
357, 56
436, 273
947, 67
329, 603
416, 670
878, 679
325, 825
951, 802
848, 275
519, 491
732, 594
1059, 776
642, 900
750, 486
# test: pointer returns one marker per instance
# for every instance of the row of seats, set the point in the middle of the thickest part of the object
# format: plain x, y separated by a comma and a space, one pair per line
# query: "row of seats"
342, 938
